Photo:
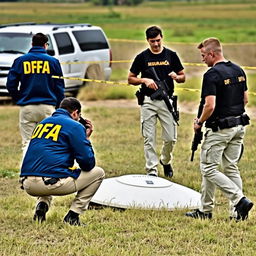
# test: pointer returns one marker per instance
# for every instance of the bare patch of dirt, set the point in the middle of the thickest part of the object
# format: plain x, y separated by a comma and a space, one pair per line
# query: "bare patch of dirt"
184, 107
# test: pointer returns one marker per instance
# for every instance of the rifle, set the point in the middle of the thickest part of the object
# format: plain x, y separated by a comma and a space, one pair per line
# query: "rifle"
197, 140
161, 94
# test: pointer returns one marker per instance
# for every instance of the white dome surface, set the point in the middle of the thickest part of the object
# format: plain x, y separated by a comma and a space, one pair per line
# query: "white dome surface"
145, 192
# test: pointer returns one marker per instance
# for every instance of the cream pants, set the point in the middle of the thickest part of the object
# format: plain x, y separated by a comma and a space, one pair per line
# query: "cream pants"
85, 185
221, 148
30, 116
150, 112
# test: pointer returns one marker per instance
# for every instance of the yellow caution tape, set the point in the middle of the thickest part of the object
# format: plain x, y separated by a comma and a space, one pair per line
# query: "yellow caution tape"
90, 80
114, 83
129, 61
173, 43
121, 83
97, 61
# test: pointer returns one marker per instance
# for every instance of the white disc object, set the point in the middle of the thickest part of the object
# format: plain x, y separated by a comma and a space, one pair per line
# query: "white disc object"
145, 192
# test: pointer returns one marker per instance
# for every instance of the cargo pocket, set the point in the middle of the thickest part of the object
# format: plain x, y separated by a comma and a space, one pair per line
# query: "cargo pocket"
211, 155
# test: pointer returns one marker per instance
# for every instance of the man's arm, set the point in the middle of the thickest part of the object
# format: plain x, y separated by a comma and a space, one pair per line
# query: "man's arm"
134, 80
13, 80
82, 148
208, 109
245, 97
178, 77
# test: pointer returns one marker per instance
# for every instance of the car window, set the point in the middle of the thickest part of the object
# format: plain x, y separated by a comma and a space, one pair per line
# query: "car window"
50, 49
89, 40
64, 43
15, 42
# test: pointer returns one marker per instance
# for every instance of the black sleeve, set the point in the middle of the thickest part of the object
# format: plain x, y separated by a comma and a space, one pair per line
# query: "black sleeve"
177, 66
137, 65
245, 86
210, 82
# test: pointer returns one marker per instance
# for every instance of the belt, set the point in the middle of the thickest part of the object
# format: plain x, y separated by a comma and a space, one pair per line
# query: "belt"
229, 122
46, 180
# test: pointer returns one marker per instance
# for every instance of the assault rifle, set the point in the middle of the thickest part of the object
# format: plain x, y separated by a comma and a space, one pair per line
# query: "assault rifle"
161, 94
196, 141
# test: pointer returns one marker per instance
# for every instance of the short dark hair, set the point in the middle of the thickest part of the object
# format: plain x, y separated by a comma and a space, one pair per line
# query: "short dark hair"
71, 104
39, 39
211, 43
153, 32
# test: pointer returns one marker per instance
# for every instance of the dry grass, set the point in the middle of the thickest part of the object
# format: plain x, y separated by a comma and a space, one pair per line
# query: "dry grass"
118, 145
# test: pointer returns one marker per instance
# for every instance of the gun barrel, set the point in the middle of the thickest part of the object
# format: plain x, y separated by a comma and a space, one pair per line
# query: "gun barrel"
192, 156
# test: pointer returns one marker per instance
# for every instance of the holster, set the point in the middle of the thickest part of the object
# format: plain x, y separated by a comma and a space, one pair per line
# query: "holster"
140, 97
50, 181
175, 106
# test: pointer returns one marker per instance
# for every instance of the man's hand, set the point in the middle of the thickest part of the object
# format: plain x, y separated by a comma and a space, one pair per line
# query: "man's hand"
173, 75
178, 77
89, 129
88, 126
150, 83
197, 125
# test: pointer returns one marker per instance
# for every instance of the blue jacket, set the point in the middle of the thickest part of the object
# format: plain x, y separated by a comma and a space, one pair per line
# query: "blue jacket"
34, 72
55, 143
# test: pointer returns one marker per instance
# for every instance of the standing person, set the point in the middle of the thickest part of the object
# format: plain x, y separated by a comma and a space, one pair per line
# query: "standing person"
31, 85
222, 108
47, 167
165, 64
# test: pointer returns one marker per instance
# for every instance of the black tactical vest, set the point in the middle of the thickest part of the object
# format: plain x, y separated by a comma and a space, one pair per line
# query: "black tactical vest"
230, 90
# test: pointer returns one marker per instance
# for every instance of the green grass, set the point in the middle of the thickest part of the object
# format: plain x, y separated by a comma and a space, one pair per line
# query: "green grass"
182, 22
119, 150
119, 146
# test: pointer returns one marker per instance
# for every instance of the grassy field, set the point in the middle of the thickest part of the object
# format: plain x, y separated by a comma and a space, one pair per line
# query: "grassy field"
119, 150
118, 143
182, 22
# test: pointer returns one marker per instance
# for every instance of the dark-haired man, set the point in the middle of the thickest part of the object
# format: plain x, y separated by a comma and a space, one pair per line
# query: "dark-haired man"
168, 67
222, 109
47, 168
32, 87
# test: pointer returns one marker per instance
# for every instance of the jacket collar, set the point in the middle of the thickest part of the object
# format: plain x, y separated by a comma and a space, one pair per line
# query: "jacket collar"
62, 111
37, 49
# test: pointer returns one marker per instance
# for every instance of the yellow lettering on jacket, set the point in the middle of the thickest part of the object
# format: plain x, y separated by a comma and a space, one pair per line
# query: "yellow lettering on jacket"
36, 67
54, 132
36, 131
48, 131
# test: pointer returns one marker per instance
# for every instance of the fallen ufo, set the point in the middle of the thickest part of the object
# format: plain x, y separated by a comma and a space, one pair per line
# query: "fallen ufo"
145, 192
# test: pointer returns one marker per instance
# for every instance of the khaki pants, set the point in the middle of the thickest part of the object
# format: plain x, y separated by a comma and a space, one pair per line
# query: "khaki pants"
30, 116
85, 185
150, 112
221, 148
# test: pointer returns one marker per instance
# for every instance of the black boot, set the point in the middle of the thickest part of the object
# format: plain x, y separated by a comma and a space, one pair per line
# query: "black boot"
196, 214
41, 210
72, 218
168, 171
243, 207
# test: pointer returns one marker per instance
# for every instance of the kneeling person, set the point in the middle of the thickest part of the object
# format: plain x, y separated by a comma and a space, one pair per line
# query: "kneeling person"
47, 167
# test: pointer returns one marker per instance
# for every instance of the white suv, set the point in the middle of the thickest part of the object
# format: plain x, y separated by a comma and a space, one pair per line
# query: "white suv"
82, 49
